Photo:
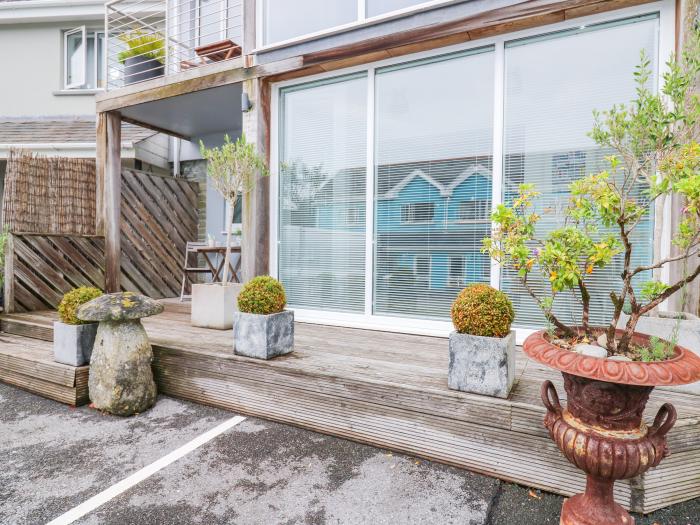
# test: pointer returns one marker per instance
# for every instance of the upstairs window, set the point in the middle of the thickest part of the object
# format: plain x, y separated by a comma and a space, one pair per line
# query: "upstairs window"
83, 58
474, 210
285, 20
417, 212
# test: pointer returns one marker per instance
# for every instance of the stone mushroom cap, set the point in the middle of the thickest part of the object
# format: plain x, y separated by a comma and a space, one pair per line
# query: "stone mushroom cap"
122, 306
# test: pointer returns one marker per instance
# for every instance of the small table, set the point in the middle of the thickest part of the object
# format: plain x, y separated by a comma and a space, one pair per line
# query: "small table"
207, 251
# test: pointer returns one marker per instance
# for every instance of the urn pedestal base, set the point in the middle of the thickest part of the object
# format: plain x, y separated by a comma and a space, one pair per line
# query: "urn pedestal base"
595, 507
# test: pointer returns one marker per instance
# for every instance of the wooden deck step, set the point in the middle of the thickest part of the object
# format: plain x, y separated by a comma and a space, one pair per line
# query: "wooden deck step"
390, 390
28, 363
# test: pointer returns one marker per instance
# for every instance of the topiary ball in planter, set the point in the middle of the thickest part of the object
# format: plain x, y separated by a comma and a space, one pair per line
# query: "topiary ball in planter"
482, 349
262, 328
73, 339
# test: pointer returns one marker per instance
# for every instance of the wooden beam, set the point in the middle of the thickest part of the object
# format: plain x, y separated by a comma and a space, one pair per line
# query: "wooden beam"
100, 157
112, 201
255, 245
196, 79
155, 128
9, 270
249, 25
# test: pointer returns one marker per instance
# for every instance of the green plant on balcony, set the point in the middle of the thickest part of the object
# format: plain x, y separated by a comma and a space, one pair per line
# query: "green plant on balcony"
140, 44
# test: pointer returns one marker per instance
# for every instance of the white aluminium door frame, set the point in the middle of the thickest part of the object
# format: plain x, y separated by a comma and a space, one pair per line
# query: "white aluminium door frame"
666, 45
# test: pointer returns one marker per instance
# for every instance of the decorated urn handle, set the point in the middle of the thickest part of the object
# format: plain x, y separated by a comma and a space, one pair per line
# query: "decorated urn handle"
664, 420
550, 398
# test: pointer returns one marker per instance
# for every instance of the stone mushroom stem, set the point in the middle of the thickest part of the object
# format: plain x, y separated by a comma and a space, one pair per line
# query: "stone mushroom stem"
121, 381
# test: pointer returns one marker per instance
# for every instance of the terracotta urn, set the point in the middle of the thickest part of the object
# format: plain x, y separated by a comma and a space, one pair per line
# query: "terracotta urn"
601, 429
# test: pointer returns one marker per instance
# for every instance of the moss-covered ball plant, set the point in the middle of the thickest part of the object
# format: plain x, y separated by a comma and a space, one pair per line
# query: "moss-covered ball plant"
68, 307
262, 295
482, 310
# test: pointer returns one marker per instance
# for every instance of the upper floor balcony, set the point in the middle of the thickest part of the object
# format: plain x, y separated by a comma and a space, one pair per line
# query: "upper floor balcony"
151, 38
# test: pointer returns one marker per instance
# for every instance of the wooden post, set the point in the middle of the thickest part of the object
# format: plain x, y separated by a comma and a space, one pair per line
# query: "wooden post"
112, 178
100, 156
256, 219
9, 283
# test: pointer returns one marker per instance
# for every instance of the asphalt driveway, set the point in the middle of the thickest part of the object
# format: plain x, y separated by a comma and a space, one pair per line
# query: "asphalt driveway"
54, 459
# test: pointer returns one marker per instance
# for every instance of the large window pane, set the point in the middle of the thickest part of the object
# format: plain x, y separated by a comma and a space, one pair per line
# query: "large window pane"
322, 177
434, 126
379, 7
553, 84
284, 19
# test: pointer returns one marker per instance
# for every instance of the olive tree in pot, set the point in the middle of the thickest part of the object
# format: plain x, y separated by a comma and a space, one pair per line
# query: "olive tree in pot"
262, 328
609, 372
482, 349
233, 169
73, 338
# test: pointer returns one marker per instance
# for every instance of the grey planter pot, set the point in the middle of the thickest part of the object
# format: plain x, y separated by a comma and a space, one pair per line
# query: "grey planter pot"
482, 365
72, 343
141, 68
263, 336
663, 326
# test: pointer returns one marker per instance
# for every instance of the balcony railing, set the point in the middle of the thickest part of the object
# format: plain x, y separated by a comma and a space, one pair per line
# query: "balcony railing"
152, 38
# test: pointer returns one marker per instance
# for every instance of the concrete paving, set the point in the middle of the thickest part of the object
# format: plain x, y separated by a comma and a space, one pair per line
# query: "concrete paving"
53, 458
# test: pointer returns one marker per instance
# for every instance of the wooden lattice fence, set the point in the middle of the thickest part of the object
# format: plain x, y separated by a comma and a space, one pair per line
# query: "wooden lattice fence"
41, 268
159, 216
45, 258
49, 195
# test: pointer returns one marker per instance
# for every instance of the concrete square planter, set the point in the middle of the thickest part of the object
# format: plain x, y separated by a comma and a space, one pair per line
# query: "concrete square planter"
72, 343
482, 365
263, 336
213, 305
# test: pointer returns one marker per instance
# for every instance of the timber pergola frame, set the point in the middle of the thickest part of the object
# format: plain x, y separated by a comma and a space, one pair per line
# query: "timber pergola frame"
256, 79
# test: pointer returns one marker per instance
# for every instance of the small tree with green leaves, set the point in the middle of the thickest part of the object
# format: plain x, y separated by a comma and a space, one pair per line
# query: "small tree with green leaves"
655, 156
233, 169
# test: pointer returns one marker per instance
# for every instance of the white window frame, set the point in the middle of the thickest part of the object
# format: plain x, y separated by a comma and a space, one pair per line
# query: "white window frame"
452, 280
666, 45
83, 70
361, 20
223, 17
412, 207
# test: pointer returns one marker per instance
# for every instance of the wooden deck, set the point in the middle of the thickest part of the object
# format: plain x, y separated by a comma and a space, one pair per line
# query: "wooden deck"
390, 390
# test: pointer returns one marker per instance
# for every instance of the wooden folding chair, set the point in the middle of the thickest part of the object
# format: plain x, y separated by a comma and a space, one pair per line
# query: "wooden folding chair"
189, 268
215, 52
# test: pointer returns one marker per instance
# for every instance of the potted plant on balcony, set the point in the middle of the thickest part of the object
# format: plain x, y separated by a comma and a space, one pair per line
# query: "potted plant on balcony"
262, 328
482, 349
609, 372
144, 56
233, 169
72, 338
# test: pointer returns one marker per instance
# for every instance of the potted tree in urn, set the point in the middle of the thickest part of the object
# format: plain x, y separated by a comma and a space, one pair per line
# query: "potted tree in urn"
482, 347
73, 338
262, 328
609, 372
233, 170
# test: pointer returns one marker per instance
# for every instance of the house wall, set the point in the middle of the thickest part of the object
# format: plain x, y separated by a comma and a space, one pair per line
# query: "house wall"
33, 55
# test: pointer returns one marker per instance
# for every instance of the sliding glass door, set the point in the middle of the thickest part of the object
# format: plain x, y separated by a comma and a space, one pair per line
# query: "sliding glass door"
552, 86
433, 165
322, 174
383, 207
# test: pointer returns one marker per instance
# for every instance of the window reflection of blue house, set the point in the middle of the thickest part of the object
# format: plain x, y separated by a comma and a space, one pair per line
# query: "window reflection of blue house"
431, 219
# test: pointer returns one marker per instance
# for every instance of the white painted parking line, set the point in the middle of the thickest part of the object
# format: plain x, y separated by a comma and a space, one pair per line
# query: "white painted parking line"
137, 477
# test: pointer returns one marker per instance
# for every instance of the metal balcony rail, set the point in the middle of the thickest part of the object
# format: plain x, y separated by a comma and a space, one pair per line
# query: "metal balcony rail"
151, 38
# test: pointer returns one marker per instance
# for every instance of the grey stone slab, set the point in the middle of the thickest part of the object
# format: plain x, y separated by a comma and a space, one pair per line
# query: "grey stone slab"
263, 336
72, 343
482, 365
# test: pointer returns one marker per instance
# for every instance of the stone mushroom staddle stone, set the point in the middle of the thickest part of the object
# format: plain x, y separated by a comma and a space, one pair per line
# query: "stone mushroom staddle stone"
121, 381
